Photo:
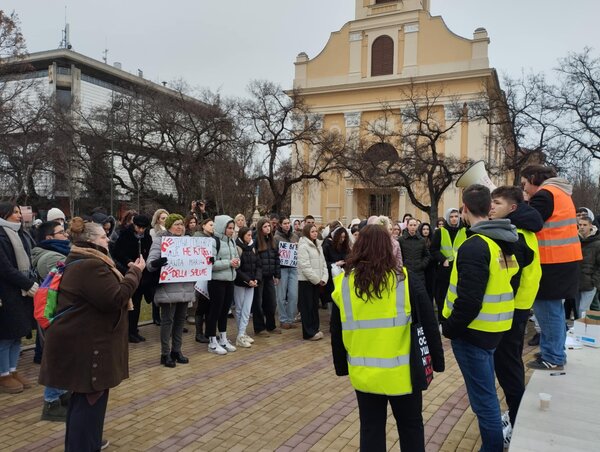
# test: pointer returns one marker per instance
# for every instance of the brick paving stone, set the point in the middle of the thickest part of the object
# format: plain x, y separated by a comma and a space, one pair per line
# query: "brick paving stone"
281, 394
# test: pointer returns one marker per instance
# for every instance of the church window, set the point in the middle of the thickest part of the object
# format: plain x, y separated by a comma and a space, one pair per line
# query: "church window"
382, 56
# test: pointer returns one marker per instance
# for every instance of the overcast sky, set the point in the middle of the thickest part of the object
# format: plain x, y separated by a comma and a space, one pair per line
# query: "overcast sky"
223, 44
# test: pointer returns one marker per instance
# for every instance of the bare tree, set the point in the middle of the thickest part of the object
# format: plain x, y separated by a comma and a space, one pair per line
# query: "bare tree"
577, 98
403, 147
289, 139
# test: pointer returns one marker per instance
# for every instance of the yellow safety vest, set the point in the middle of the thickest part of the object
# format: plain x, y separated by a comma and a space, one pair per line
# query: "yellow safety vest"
529, 283
498, 302
449, 248
376, 334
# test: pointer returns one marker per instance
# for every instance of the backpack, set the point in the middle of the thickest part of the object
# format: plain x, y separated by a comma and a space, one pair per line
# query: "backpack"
46, 297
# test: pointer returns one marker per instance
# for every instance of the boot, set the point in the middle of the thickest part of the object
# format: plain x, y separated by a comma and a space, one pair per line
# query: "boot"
10, 385
21, 379
535, 340
200, 337
167, 361
65, 399
54, 411
178, 357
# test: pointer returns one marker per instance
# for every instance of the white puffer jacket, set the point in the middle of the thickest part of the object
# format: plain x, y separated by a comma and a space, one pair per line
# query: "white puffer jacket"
311, 262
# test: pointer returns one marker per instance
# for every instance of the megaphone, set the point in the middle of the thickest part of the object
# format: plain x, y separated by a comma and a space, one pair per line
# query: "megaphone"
476, 174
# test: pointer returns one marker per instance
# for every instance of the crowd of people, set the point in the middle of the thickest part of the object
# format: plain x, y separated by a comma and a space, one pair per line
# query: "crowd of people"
482, 267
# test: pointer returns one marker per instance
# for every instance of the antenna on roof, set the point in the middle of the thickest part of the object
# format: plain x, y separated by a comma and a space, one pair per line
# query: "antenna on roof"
65, 42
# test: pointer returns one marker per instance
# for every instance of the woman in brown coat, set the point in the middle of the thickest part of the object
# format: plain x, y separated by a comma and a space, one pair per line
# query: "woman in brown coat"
86, 349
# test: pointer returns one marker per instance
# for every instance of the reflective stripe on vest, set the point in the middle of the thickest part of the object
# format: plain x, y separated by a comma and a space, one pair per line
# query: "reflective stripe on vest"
497, 305
559, 240
350, 324
376, 335
529, 283
448, 248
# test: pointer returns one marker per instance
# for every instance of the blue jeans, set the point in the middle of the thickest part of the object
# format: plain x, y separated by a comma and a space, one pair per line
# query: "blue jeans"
477, 367
551, 316
243, 297
287, 294
52, 394
9, 355
583, 301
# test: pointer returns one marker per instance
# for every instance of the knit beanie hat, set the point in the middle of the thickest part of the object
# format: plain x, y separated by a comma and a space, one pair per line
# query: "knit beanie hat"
55, 214
172, 218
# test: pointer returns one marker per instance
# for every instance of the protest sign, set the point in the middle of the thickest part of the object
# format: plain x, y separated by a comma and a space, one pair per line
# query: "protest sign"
188, 259
288, 254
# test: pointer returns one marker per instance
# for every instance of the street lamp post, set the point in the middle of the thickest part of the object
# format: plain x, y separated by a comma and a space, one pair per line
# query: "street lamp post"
115, 106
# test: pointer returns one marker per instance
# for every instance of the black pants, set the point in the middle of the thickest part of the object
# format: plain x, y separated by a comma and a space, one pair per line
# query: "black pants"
571, 307
308, 305
442, 282
85, 423
134, 316
202, 310
264, 304
221, 296
508, 363
372, 410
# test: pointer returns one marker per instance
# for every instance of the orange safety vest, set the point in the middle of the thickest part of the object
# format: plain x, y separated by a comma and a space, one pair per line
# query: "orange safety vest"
559, 239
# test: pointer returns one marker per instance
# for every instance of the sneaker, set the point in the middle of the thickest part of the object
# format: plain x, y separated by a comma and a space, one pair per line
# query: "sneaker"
263, 333
242, 342
54, 411
21, 379
535, 340
505, 419
507, 434
10, 385
104, 444
216, 349
248, 339
190, 319
227, 345
540, 364
317, 337
538, 355
201, 338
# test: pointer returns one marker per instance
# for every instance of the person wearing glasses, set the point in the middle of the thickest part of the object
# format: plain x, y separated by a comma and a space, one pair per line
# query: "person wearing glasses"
53, 247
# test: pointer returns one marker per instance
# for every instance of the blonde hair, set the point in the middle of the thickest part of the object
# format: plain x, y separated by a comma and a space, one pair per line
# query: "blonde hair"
155, 218
83, 231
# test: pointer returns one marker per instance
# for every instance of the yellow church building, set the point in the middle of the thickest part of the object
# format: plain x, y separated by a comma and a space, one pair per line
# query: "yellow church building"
389, 46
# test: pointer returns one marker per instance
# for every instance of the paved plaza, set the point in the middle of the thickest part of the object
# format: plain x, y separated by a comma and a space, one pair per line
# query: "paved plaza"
282, 394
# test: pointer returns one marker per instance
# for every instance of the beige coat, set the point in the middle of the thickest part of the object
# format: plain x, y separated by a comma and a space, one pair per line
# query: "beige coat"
311, 262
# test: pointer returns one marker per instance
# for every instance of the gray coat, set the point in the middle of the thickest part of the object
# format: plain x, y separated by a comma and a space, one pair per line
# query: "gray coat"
181, 292
222, 269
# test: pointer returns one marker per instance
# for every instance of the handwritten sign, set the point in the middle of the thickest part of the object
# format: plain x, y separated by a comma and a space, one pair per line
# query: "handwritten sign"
288, 254
188, 259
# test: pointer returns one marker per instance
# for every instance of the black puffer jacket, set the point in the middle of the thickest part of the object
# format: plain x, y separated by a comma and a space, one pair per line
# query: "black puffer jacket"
269, 262
128, 247
250, 264
590, 267
415, 255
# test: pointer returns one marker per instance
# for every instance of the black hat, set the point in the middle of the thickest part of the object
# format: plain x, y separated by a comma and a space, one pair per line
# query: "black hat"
141, 220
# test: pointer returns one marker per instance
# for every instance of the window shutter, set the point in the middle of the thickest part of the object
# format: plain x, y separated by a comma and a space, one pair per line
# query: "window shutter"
382, 56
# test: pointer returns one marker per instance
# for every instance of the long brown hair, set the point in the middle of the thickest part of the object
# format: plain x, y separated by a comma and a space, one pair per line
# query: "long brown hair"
372, 259
264, 243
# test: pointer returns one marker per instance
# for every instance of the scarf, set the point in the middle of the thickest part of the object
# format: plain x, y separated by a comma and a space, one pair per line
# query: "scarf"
12, 232
97, 254
59, 246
